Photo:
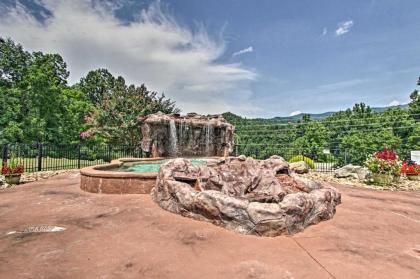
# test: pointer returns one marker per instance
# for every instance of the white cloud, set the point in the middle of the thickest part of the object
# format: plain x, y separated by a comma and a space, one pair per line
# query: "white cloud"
153, 49
342, 84
295, 113
243, 51
344, 27
394, 103
324, 31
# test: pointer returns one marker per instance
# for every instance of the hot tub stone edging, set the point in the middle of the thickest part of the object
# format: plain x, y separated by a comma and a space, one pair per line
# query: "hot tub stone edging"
96, 179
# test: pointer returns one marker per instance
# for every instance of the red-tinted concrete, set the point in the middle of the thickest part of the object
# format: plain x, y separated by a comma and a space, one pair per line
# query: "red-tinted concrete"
373, 235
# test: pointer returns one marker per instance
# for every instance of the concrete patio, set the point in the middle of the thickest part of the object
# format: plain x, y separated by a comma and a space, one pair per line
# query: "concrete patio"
374, 234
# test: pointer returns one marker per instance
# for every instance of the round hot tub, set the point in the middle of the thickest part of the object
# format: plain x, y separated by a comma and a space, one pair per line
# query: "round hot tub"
125, 175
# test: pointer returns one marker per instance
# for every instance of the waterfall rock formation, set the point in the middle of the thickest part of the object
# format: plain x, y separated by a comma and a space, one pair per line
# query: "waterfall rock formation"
172, 135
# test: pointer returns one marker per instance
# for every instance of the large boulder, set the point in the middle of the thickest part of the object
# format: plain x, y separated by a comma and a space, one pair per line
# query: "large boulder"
352, 171
300, 167
245, 195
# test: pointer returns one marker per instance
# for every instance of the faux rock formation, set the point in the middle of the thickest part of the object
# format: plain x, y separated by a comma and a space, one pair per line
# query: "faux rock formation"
170, 135
245, 195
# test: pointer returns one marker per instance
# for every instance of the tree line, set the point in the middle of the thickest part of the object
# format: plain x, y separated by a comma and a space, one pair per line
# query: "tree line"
38, 105
349, 135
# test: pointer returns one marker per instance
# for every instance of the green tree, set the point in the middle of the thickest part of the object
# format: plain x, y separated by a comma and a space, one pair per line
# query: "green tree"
414, 105
34, 97
13, 62
98, 85
116, 119
312, 138
356, 146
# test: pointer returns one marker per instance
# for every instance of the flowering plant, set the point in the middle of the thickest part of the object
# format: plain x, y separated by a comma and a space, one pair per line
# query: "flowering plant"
386, 154
384, 162
410, 167
85, 135
13, 168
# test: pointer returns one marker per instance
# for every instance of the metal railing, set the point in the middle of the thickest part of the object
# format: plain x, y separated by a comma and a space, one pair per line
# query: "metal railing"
45, 157
321, 159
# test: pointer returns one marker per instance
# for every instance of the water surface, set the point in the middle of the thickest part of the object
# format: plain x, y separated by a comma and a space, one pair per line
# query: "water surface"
153, 166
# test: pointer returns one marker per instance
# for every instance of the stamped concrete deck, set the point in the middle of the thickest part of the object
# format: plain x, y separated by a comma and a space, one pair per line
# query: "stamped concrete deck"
373, 235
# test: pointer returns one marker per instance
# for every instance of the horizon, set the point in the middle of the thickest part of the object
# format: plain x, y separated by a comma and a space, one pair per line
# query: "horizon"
217, 57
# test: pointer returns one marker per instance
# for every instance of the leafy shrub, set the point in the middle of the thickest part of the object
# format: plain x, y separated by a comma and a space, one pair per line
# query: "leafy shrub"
299, 158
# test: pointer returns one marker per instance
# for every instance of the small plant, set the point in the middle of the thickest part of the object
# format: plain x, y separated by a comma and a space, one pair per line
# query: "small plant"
12, 171
410, 168
384, 162
299, 158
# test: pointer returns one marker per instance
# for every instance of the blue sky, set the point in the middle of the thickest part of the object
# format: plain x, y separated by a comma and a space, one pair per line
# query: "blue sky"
256, 58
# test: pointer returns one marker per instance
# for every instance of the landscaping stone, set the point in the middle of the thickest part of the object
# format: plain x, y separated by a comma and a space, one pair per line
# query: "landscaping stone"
402, 185
353, 171
299, 167
3, 183
245, 195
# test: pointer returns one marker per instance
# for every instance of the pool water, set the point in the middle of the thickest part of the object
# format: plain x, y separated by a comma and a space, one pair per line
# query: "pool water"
154, 166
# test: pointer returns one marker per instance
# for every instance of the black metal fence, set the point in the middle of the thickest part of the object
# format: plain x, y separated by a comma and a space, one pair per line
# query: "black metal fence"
320, 159
44, 157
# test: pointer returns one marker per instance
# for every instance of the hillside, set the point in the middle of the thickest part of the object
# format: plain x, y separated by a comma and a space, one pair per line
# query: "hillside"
314, 116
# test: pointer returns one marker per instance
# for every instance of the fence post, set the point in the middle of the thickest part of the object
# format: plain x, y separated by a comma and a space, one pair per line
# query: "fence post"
5, 153
39, 145
345, 156
110, 152
78, 156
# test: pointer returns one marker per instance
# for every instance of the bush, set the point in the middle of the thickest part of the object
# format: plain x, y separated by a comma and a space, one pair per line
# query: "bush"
299, 158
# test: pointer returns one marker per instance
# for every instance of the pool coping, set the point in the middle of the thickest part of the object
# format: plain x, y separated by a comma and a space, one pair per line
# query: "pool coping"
98, 179
101, 170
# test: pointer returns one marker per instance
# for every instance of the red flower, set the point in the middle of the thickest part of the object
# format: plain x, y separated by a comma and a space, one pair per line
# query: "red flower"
410, 167
386, 154
6, 170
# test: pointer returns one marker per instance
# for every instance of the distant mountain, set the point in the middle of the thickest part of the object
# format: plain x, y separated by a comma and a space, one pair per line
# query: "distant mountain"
315, 116
382, 109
